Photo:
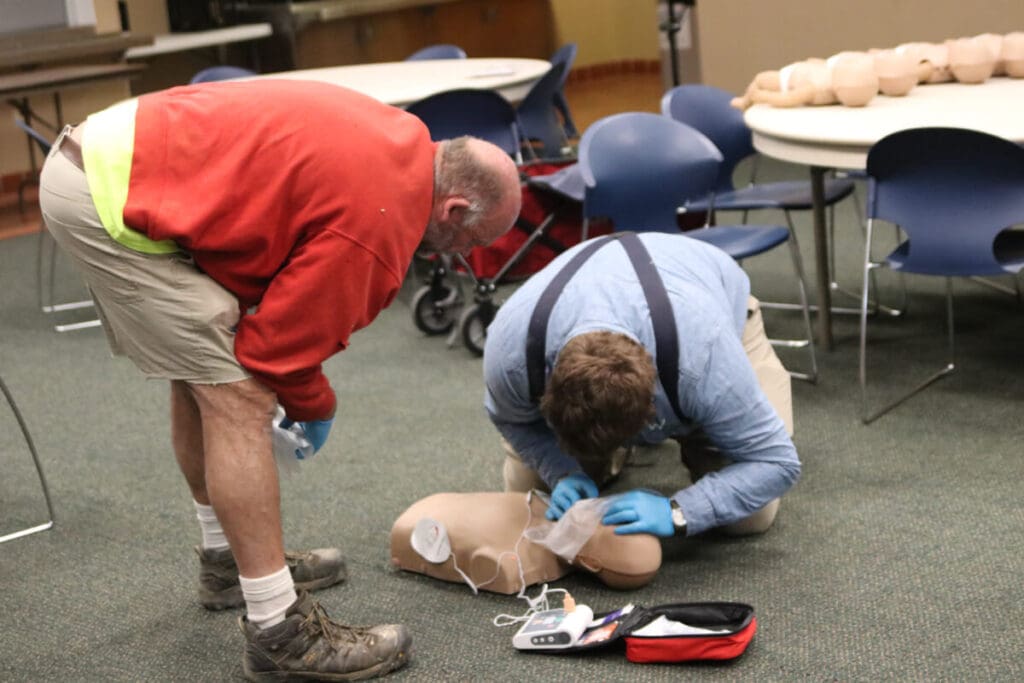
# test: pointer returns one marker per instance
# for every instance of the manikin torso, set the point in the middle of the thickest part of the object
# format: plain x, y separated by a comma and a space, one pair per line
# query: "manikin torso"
485, 531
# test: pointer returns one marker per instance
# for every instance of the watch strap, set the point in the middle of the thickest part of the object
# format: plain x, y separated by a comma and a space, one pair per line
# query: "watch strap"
678, 520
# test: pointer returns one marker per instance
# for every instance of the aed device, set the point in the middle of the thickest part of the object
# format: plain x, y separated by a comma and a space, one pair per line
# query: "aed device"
553, 629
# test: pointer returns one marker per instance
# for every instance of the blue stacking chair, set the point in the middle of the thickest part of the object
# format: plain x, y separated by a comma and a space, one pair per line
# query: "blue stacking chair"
565, 56
48, 524
220, 73
35, 135
707, 109
538, 116
440, 51
954, 193
641, 170
466, 111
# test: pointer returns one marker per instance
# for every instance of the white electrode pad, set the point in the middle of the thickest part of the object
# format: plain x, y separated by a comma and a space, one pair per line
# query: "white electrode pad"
430, 539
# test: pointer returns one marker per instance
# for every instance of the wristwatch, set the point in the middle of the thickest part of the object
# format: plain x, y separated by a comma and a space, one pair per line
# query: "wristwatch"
678, 521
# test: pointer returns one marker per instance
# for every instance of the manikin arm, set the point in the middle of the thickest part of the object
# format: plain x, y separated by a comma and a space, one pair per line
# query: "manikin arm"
766, 88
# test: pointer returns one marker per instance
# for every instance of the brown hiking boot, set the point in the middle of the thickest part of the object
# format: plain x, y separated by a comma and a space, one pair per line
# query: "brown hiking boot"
218, 574
307, 645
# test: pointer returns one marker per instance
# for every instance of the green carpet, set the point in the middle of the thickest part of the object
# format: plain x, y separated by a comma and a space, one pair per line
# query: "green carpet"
896, 557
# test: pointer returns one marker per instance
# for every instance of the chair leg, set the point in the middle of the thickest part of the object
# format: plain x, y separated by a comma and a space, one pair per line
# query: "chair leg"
40, 277
999, 287
879, 307
841, 310
568, 125
39, 470
867, 416
862, 350
794, 244
46, 297
808, 340
834, 281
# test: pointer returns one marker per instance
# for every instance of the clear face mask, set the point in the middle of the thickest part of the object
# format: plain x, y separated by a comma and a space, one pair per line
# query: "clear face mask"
568, 535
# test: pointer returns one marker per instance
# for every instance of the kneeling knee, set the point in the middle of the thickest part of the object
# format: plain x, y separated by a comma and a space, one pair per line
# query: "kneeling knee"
757, 523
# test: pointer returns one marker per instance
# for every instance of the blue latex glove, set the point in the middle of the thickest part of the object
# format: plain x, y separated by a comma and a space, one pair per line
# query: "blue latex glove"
567, 491
316, 432
640, 512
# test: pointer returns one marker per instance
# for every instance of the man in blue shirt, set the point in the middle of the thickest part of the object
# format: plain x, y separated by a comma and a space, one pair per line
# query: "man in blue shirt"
730, 407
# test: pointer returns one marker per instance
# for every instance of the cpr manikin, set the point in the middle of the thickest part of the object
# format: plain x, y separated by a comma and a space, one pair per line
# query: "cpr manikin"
848, 77
502, 543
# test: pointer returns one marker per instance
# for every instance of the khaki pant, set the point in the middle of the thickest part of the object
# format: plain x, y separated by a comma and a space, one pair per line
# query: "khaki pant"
169, 318
697, 455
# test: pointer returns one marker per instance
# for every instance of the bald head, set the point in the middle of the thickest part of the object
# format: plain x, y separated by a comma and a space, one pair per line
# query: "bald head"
476, 195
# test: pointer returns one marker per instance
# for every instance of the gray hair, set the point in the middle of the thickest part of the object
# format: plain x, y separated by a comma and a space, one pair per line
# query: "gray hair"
460, 171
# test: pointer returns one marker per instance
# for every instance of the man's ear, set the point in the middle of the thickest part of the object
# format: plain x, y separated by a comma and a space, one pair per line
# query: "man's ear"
453, 207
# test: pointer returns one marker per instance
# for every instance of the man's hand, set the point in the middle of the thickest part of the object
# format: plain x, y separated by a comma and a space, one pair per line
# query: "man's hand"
315, 431
640, 512
567, 491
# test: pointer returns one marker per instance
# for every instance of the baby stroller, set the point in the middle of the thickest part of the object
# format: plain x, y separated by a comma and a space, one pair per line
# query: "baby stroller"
549, 223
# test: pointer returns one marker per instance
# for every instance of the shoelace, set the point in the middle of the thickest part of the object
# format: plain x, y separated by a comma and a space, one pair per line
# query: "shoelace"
292, 558
336, 634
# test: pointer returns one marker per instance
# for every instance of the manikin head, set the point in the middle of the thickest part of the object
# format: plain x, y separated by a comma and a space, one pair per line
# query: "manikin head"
477, 195
600, 394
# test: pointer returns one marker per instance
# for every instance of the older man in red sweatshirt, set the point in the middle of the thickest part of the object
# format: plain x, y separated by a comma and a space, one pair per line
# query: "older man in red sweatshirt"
233, 236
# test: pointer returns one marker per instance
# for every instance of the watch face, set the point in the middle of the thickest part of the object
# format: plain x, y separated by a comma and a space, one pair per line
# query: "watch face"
677, 518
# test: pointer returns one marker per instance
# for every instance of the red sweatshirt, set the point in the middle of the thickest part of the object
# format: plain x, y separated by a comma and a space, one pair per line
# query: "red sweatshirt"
304, 199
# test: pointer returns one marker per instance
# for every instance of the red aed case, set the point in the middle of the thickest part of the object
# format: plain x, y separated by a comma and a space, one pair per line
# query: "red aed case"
733, 624
735, 620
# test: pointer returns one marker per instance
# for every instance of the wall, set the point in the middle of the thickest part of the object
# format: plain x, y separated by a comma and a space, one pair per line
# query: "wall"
514, 28
607, 30
739, 38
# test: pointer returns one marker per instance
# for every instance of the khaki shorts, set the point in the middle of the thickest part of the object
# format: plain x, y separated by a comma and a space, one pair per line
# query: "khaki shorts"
160, 311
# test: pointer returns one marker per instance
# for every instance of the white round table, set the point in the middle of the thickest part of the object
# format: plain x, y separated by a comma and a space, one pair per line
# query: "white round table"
840, 137
402, 83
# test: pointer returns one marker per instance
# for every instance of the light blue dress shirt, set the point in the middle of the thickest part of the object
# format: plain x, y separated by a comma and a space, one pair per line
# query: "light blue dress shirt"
718, 390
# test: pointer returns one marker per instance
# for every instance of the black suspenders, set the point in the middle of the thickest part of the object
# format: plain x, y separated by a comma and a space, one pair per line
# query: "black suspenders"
663, 320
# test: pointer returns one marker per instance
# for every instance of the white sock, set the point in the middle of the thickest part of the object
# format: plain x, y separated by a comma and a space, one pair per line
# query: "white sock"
213, 534
268, 597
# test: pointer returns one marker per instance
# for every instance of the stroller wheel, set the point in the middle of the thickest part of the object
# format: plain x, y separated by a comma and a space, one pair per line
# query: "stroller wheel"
435, 308
473, 324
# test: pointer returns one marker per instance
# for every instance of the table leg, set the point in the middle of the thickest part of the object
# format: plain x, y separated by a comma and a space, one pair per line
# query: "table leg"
58, 111
823, 278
